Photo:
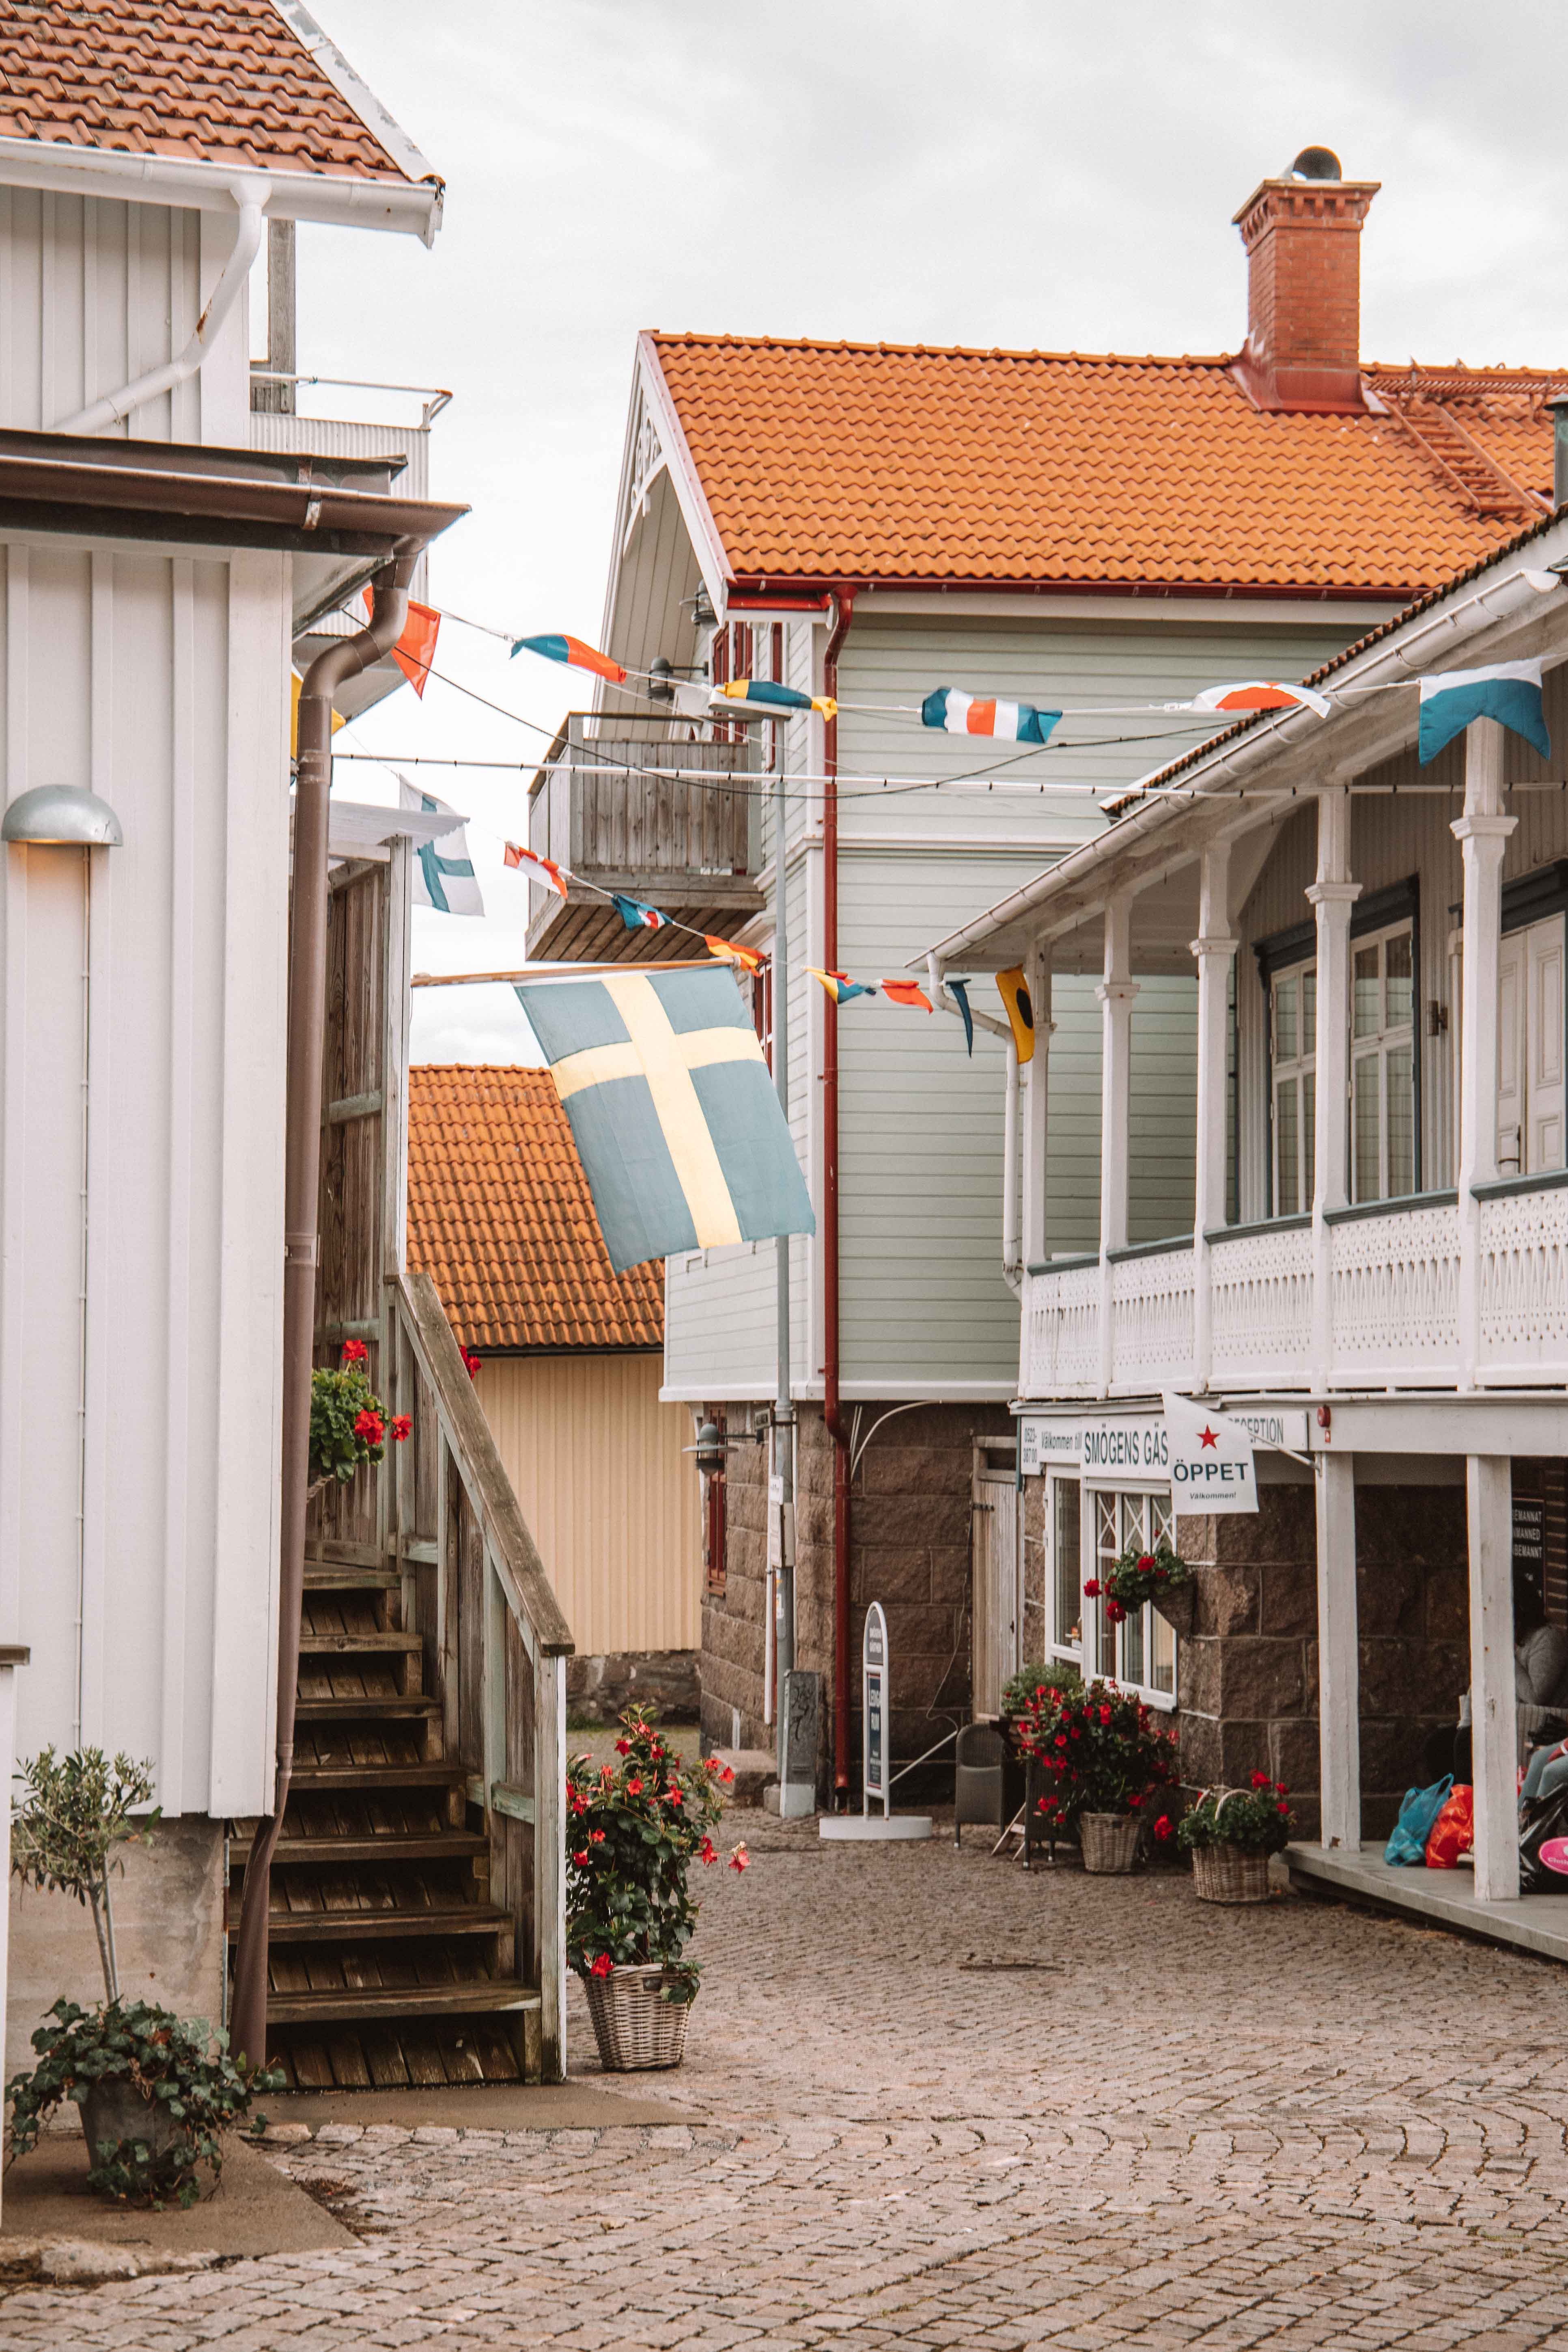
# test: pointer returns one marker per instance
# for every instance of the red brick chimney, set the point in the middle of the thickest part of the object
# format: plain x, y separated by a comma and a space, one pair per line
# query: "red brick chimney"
1302, 235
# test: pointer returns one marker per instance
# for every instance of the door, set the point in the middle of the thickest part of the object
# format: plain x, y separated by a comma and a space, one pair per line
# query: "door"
994, 1639
1530, 1078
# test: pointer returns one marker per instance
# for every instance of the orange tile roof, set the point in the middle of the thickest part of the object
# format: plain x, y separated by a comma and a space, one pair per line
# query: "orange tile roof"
202, 81
891, 463
500, 1218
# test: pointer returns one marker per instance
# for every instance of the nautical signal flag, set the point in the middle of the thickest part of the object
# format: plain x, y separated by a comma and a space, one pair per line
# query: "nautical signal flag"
971, 714
540, 869
637, 915
727, 950
839, 986
574, 652
672, 1109
1014, 992
442, 870
773, 701
415, 652
1509, 692
907, 992
1259, 694
958, 990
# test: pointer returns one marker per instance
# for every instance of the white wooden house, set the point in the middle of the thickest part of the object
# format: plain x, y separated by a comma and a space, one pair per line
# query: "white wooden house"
872, 522
1376, 1270
162, 547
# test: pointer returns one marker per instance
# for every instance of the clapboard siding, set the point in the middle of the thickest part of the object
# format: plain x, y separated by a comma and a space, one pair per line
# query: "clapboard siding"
93, 292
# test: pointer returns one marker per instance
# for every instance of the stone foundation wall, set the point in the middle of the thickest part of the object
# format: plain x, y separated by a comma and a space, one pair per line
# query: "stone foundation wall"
910, 1549
598, 1688
1247, 1673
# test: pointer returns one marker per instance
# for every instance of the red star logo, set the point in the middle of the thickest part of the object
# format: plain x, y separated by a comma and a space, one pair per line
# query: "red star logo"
1211, 1437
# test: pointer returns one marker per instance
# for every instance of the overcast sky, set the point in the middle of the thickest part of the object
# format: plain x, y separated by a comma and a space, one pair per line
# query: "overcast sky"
1029, 175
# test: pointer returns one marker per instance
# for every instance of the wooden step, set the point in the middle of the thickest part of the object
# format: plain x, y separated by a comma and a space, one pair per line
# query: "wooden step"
377, 1776
360, 1645
352, 1579
437, 1845
379, 1926
369, 1704
488, 1997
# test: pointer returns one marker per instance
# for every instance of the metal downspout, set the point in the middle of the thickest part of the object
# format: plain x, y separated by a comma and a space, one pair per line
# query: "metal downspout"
832, 1418
302, 1173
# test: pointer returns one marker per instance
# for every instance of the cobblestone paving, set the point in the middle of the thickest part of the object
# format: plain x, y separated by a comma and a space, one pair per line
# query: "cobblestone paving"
1185, 2125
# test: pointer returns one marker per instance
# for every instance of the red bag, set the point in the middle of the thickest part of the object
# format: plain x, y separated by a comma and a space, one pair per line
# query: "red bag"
1453, 1831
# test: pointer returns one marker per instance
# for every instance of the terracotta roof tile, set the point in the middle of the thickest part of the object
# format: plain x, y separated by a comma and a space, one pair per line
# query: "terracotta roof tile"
883, 462
500, 1218
202, 81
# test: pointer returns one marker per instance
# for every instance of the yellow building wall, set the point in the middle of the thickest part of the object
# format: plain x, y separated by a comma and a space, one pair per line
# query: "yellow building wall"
613, 1503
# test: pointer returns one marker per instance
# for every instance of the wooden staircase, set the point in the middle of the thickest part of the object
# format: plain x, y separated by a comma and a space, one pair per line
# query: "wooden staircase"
389, 1964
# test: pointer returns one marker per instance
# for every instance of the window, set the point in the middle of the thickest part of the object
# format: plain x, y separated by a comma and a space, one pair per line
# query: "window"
1383, 1066
1066, 1569
1140, 1653
1293, 1009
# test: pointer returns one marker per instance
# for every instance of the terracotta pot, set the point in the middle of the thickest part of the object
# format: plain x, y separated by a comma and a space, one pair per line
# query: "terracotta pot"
1179, 1607
116, 2110
1110, 1842
633, 2024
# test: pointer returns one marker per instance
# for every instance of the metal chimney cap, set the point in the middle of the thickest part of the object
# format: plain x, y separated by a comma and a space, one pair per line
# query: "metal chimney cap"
1316, 164
62, 816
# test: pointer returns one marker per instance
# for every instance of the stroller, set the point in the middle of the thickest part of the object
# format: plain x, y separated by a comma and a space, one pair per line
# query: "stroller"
1543, 1821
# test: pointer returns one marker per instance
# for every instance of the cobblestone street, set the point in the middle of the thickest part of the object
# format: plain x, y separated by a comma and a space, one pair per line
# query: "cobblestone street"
936, 2102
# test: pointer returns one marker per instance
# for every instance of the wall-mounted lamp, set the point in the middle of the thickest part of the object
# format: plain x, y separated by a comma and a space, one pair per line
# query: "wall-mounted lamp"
62, 816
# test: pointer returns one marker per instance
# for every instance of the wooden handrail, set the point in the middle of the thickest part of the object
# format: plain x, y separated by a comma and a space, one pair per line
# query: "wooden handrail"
517, 1563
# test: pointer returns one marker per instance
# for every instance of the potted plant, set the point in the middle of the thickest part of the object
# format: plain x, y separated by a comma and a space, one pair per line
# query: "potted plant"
1230, 1833
1161, 1576
154, 2091
1104, 1757
633, 1829
349, 1422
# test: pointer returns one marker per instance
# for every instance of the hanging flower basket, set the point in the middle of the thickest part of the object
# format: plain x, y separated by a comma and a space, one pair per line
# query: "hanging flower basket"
1110, 1842
348, 1423
1161, 1576
635, 2025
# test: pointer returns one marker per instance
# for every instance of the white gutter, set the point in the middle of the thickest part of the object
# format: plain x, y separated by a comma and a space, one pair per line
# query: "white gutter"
251, 196
1388, 664
412, 208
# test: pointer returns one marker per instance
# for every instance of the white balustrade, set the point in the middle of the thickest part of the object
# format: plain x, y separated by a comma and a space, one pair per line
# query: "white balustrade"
1262, 1305
1524, 1286
1395, 1296
1151, 1315
1061, 1324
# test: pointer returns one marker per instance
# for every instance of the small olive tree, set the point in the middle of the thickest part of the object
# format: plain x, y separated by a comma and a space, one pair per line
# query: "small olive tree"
73, 1812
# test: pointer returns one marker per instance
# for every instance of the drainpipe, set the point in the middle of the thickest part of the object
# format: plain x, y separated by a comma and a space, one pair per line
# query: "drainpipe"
832, 1418
302, 1170
251, 196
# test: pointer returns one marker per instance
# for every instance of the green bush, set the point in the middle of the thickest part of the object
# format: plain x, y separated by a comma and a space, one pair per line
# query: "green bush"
1257, 1819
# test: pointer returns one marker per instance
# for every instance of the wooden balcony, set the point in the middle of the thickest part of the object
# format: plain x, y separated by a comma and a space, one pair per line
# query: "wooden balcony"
1397, 1272
624, 808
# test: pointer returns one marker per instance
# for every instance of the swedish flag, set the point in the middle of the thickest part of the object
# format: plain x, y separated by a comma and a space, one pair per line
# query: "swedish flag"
672, 1109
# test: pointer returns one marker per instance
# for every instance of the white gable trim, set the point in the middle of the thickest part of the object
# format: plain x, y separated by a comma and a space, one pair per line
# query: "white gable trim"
325, 54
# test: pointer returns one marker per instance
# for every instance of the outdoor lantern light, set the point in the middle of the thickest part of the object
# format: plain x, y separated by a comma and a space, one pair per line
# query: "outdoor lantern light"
709, 1448
62, 816
660, 679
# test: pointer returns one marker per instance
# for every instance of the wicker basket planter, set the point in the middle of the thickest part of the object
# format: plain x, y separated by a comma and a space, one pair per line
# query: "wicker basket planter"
633, 2024
1223, 1874
1110, 1842
1177, 1604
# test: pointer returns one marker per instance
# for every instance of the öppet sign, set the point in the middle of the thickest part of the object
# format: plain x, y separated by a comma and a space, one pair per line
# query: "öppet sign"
1210, 1459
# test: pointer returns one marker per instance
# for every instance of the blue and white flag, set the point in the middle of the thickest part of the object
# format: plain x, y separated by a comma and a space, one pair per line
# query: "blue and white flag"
1509, 692
442, 870
672, 1109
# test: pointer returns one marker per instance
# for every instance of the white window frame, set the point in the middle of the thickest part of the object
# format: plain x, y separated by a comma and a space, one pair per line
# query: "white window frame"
1378, 1044
1057, 1643
1153, 1504
1292, 1068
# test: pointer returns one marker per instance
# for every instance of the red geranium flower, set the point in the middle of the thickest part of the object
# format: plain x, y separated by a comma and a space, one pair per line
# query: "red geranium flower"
472, 1362
633, 1788
1261, 1781
602, 1965
707, 1851
370, 1427
727, 1771
402, 1427
674, 1796
1135, 1800
1281, 1808
1046, 1805
582, 1859
1146, 1559
1163, 1829
355, 1352
1104, 1714
1114, 1611
740, 1859
596, 1837
624, 1748
1092, 1588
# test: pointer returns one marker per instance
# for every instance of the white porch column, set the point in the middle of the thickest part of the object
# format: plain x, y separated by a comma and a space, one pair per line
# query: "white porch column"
1339, 1682
1117, 992
1037, 1116
1482, 834
1215, 951
1332, 896
1488, 1496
